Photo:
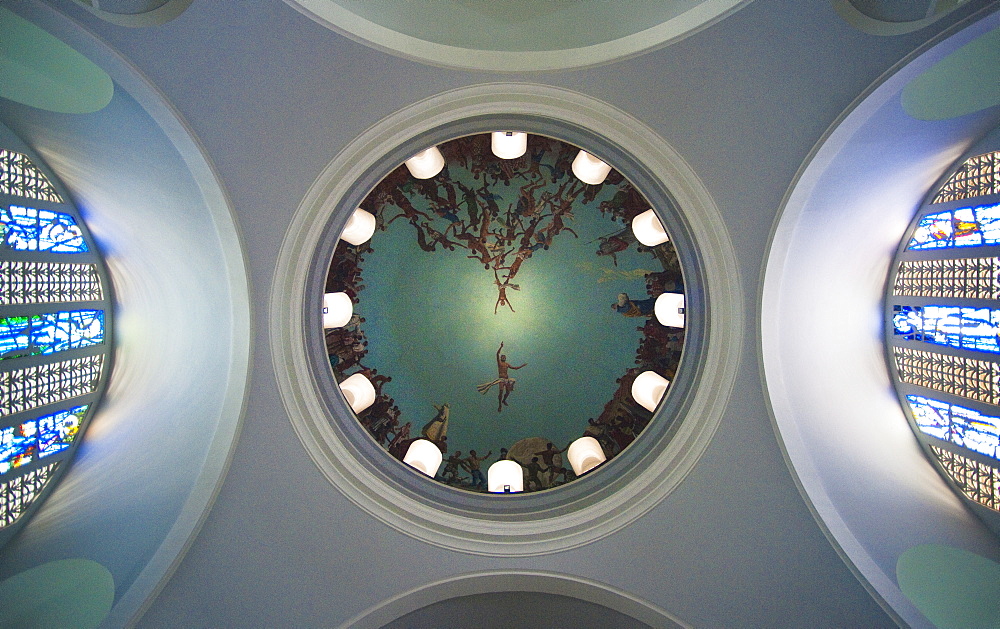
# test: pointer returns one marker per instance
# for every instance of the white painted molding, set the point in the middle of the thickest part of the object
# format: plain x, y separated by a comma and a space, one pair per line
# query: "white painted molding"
513, 581
657, 473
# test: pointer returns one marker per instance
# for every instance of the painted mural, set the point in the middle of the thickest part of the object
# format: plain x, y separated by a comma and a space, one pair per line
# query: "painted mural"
502, 310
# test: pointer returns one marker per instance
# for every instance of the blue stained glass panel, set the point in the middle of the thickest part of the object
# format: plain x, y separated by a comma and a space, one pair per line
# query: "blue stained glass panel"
40, 437
975, 431
57, 431
959, 425
18, 446
28, 229
932, 416
964, 227
50, 333
956, 326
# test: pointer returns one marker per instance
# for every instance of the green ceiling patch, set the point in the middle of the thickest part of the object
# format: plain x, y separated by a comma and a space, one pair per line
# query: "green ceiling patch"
964, 82
65, 593
39, 70
952, 587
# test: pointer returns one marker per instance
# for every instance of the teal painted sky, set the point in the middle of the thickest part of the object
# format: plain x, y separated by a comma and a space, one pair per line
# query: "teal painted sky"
431, 326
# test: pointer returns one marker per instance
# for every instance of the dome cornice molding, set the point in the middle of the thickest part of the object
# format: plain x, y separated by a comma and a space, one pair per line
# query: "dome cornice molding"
570, 518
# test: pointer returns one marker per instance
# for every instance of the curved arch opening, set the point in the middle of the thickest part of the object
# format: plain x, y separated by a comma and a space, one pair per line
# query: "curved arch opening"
544, 521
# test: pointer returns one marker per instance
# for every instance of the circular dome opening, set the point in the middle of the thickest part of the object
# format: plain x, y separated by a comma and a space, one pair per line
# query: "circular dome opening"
623, 488
503, 312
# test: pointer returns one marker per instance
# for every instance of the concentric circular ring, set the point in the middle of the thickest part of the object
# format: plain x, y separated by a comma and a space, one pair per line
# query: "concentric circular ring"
546, 521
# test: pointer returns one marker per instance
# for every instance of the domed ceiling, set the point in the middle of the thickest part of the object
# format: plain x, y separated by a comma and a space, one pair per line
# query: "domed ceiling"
504, 305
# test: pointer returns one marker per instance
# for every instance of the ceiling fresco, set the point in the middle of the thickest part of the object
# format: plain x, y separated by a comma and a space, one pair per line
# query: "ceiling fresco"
502, 306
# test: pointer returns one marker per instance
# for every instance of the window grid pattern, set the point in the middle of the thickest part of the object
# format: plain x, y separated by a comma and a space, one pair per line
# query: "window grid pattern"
970, 278
17, 494
32, 387
18, 176
48, 282
978, 176
48, 232
979, 482
966, 377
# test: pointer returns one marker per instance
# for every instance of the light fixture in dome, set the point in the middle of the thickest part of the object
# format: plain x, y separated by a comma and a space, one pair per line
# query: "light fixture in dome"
337, 310
359, 392
426, 163
452, 212
424, 456
669, 309
505, 477
585, 454
359, 228
648, 230
509, 144
589, 169
648, 389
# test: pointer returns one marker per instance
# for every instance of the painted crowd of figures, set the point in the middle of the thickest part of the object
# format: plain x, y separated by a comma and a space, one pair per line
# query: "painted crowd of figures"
500, 231
456, 215
620, 421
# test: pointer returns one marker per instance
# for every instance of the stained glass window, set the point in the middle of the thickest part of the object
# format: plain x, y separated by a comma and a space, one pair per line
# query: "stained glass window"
958, 375
962, 426
964, 227
978, 481
930, 270
48, 282
42, 437
17, 494
30, 229
956, 326
48, 303
35, 386
50, 333
979, 175
970, 278
18, 176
